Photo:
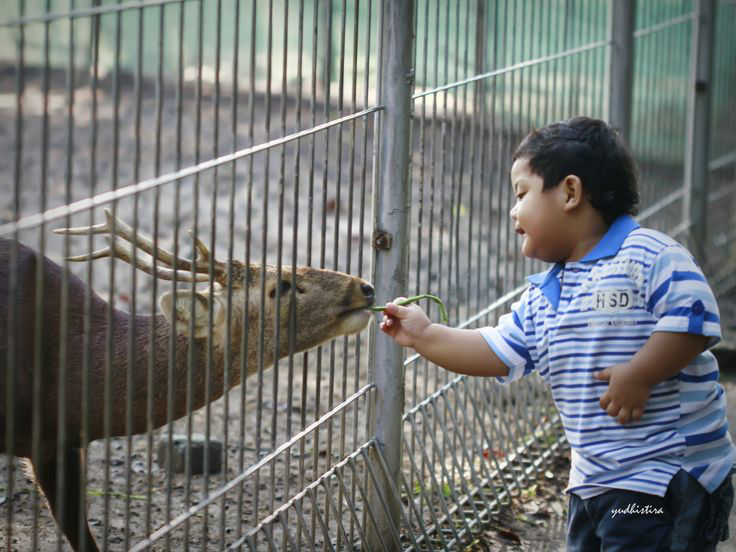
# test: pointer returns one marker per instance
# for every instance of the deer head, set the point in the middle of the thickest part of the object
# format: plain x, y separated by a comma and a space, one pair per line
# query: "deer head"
328, 304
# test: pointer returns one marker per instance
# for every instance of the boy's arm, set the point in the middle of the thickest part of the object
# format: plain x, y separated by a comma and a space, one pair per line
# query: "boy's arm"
662, 356
457, 350
460, 351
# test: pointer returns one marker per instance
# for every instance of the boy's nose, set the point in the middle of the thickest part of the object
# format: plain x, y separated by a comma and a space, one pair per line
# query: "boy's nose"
513, 213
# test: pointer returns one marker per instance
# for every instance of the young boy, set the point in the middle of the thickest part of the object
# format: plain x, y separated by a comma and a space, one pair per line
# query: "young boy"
619, 328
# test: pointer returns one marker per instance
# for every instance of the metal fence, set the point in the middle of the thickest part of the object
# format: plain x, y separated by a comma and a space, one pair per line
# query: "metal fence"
368, 137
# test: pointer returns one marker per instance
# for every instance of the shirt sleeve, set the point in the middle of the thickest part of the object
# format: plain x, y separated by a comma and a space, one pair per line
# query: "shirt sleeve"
680, 298
510, 340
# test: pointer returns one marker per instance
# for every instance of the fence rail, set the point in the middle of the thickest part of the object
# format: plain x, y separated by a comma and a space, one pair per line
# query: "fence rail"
369, 137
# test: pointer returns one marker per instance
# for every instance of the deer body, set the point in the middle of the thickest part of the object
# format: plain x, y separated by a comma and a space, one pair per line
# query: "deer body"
50, 361
328, 304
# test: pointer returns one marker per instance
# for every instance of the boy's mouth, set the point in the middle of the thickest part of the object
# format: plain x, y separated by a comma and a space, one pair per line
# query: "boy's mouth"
520, 231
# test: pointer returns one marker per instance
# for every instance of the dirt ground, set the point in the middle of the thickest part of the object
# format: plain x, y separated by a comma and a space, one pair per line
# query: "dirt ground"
535, 521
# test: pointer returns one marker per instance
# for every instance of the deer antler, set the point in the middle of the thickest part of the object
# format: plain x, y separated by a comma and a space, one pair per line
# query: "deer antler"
178, 268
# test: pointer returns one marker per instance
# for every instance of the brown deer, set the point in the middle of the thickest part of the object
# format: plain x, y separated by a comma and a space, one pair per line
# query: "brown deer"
328, 304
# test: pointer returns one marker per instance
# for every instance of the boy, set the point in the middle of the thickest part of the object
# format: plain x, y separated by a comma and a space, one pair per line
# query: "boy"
619, 328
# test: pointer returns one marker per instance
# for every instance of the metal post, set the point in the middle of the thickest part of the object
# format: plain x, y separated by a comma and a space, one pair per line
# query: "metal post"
391, 210
621, 64
698, 126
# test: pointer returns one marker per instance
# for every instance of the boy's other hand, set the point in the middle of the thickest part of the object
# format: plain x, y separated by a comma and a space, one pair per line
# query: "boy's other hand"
405, 324
627, 394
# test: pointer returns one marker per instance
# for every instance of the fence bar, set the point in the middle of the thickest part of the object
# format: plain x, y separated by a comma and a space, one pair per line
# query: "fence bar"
621, 64
698, 125
391, 210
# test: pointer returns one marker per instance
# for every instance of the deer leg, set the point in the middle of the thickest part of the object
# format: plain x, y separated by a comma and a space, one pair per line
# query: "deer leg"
46, 478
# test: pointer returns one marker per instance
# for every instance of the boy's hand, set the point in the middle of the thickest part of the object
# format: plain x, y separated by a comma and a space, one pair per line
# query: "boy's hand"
405, 324
627, 393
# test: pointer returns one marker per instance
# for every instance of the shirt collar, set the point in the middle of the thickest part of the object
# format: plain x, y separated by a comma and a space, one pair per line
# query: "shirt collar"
548, 283
608, 246
612, 240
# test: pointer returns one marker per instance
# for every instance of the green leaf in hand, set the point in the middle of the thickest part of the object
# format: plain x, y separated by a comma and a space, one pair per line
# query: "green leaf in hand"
414, 299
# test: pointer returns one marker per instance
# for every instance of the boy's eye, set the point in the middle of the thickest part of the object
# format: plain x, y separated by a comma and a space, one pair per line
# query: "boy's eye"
519, 196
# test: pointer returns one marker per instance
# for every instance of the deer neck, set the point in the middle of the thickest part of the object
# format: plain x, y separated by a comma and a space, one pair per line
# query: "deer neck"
172, 375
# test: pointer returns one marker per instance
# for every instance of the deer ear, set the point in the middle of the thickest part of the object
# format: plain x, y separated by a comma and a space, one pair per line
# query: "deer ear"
183, 312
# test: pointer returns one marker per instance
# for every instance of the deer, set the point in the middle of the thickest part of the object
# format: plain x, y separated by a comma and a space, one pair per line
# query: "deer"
327, 303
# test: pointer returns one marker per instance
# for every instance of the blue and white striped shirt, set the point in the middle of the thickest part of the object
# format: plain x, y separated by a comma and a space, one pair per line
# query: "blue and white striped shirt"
580, 317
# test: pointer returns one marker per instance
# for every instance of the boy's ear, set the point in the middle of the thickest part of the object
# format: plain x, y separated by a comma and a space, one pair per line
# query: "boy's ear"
183, 312
572, 188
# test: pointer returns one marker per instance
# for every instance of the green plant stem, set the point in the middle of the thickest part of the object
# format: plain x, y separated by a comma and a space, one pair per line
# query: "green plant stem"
415, 298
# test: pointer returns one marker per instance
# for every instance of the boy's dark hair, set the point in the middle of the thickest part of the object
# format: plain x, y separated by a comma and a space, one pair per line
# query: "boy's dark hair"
593, 151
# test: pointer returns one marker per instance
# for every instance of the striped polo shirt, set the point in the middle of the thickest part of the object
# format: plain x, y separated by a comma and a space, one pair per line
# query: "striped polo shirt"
580, 317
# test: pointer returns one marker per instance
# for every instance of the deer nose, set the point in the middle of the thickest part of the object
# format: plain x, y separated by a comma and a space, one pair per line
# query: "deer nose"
367, 290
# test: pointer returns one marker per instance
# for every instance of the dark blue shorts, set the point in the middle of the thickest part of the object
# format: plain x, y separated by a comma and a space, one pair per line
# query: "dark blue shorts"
687, 518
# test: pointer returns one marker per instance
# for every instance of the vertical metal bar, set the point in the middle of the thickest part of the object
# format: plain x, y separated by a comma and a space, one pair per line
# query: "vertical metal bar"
348, 266
14, 262
110, 315
508, 91
211, 354
294, 247
368, 421
422, 161
445, 57
129, 390
39, 385
244, 368
455, 128
698, 125
335, 260
264, 249
279, 256
391, 215
647, 47
227, 375
590, 61
432, 170
172, 345
621, 64
88, 330
38, 358
292, 310
325, 18
227, 380
310, 221
493, 250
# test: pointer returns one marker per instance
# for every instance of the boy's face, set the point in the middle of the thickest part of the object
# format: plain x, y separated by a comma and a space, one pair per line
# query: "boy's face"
539, 216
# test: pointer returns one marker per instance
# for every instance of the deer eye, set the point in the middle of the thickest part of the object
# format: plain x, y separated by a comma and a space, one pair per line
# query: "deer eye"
284, 288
